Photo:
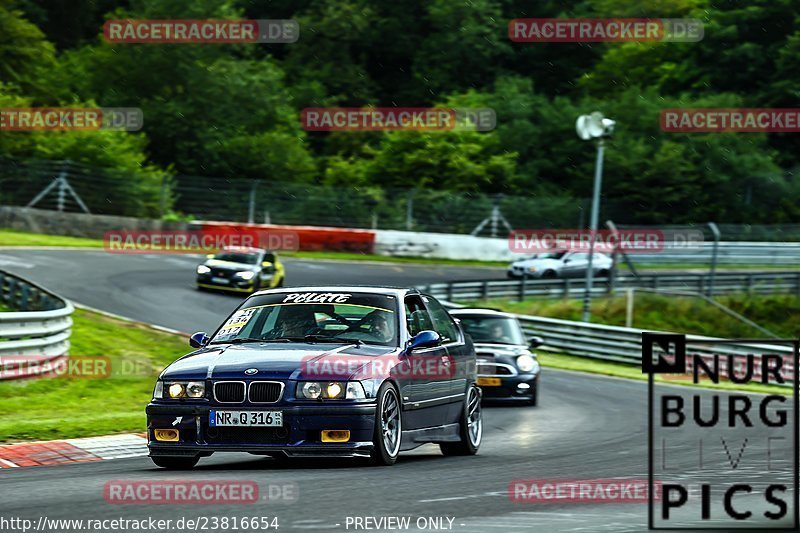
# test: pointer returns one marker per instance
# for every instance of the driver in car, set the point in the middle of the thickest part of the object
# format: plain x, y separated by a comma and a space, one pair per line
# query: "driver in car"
499, 334
379, 326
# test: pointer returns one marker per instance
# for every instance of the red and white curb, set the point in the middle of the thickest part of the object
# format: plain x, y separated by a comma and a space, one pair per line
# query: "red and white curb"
67, 451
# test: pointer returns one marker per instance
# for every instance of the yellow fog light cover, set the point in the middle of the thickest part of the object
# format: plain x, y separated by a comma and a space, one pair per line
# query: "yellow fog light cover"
166, 435
334, 390
335, 435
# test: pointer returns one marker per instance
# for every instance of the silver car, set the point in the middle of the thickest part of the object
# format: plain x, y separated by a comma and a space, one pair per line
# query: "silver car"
560, 265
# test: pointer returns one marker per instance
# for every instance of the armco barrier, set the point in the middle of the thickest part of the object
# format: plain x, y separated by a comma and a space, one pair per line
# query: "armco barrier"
310, 238
724, 282
624, 345
37, 330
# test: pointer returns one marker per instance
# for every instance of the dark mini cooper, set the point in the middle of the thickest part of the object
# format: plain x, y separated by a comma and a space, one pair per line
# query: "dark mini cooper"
507, 366
311, 371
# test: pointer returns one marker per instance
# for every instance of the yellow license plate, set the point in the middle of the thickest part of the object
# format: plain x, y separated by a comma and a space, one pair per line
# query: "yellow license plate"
489, 382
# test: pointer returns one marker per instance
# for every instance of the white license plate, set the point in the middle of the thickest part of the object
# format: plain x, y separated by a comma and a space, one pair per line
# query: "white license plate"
245, 418
220, 280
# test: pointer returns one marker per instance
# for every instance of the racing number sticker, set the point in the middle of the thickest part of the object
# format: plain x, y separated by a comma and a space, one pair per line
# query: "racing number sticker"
235, 323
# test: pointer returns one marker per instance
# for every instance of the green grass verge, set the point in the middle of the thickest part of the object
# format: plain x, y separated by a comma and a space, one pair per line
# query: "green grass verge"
779, 313
10, 237
53, 408
620, 370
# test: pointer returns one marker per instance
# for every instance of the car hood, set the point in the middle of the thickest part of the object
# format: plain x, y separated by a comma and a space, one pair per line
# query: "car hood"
501, 349
228, 265
538, 263
276, 361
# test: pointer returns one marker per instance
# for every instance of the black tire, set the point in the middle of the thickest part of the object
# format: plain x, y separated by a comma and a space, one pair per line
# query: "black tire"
387, 421
549, 274
471, 427
176, 463
603, 273
256, 285
534, 401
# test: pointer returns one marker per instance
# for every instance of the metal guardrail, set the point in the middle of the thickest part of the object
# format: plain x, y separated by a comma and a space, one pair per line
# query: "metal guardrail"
754, 283
624, 345
728, 253
37, 330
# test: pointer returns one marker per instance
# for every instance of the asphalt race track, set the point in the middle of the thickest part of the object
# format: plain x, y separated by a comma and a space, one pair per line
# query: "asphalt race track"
160, 288
586, 427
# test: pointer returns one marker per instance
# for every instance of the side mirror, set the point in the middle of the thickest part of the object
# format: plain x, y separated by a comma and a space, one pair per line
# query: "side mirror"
199, 339
423, 339
567, 261
534, 342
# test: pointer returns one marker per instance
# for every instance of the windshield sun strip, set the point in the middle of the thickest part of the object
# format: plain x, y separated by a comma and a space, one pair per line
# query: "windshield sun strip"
317, 303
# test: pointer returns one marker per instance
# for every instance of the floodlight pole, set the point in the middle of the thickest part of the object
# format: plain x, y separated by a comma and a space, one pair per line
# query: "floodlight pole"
598, 182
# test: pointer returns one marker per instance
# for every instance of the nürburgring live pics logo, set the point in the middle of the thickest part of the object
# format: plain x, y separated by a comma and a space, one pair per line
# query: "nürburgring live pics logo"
725, 460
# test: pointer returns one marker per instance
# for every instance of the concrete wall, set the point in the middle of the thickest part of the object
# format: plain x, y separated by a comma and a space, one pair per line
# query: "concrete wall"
382, 242
441, 246
76, 224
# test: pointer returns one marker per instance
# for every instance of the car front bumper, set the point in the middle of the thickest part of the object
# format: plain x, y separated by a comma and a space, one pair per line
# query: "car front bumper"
233, 284
509, 388
299, 436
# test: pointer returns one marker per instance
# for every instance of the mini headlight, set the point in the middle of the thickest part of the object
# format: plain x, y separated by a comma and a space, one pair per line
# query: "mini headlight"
312, 390
176, 390
202, 269
247, 274
526, 363
195, 389
158, 391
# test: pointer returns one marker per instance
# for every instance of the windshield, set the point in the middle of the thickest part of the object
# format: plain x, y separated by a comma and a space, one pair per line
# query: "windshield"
238, 257
314, 317
498, 330
549, 255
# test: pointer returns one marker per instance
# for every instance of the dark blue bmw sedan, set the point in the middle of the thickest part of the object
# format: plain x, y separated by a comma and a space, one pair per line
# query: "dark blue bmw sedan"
321, 371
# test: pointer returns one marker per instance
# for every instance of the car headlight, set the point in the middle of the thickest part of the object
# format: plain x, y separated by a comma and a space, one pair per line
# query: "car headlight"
202, 269
355, 391
195, 389
180, 389
526, 363
334, 390
247, 274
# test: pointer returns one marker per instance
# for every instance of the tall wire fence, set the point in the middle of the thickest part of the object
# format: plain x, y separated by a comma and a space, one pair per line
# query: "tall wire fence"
69, 186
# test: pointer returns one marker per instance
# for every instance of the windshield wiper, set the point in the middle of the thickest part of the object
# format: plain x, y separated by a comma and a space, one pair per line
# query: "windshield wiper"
322, 338
241, 340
